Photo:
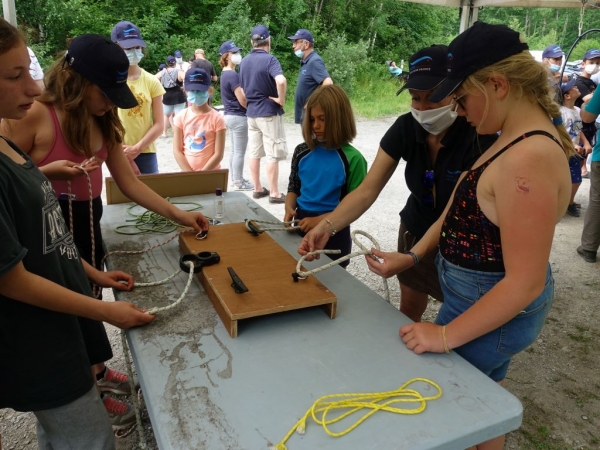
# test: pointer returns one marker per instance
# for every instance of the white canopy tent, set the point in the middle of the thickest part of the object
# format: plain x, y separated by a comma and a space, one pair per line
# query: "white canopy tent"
470, 8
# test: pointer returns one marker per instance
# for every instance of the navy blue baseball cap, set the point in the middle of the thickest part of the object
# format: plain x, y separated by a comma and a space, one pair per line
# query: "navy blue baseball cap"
196, 79
259, 33
475, 48
178, 54
427, 68
103, 63
162, 66
302, 34
592, 53
171, 59
127, 35
228, 46
552, 51
566, 87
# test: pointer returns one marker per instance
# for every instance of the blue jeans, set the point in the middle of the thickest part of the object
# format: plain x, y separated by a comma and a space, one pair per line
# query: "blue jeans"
147, 163
237, 126
492, 352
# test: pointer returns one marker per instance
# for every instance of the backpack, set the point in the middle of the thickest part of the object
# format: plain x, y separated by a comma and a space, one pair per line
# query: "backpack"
169, 79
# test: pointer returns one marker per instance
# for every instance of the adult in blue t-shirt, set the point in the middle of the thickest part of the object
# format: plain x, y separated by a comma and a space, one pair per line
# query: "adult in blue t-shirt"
312, 70
264, 85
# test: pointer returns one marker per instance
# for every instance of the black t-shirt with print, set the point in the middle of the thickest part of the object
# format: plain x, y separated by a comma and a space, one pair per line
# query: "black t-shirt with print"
461, 146
43, 361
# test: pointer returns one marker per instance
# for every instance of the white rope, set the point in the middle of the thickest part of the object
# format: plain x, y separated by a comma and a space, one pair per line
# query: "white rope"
363, 251
281, 225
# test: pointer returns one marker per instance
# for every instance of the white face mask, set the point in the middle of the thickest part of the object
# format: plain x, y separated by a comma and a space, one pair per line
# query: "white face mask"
134, 55
591, 69
178, 59
435, 121
236, 58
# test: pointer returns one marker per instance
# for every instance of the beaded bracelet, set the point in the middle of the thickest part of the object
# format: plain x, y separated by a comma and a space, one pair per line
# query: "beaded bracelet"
414, 256
333, 230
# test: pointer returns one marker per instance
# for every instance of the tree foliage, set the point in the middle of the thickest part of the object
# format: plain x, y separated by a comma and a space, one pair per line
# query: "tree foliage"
352, 36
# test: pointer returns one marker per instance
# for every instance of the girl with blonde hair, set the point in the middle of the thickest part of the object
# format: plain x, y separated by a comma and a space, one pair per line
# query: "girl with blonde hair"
496, 233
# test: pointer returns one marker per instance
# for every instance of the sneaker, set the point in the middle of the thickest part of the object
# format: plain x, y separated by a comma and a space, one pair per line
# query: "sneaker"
115, 382
572, 210
122, 415
260, 194
280, 199
587, 255
577, 205
243, 185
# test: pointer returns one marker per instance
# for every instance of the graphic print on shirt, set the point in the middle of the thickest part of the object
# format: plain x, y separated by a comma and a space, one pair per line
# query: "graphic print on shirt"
141, 99
56, 233
574, 127
195, 143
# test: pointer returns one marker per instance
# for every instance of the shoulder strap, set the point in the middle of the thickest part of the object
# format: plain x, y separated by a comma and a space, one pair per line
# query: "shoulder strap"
522, 137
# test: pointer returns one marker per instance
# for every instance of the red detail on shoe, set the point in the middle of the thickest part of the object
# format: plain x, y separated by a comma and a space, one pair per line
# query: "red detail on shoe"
114, 406
115, 375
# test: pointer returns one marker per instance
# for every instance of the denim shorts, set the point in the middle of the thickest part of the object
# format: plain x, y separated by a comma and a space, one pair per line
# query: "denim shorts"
492, 352
147, 163
575, 168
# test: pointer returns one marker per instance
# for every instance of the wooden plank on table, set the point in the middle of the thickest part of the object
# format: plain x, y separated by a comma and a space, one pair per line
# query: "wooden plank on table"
264, 267
177, 184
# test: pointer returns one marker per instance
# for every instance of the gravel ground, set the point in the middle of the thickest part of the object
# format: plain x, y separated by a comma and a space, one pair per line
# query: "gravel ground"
556, 379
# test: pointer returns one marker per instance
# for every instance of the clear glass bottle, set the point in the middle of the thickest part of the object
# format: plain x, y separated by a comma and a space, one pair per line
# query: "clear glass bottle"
219, 204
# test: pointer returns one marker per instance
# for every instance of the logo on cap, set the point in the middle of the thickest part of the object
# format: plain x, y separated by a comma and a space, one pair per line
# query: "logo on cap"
130, 33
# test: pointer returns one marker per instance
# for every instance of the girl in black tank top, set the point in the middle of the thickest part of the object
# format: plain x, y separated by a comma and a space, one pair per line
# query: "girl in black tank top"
496, 280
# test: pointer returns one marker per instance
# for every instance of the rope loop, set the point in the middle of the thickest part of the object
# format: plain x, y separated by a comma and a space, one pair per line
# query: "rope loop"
302, 275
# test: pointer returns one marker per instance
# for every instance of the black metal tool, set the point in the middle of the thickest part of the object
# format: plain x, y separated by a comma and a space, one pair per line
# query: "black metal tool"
200, 260
238, 285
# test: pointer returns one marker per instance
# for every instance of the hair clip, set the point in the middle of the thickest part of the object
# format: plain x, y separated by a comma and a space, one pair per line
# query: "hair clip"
557, 121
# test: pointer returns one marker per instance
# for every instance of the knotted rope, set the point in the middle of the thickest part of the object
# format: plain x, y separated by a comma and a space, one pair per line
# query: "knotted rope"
355, 402
252, 227
363, 251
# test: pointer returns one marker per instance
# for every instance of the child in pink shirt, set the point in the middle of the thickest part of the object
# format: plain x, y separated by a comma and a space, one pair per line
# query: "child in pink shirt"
198, 131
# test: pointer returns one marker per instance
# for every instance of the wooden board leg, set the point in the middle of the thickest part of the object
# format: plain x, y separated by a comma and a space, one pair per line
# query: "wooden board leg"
330, 309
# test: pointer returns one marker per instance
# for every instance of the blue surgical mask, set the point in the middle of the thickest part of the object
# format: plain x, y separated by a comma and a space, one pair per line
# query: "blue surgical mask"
299, 53
554, 68
197, 98
134, 55
178, 60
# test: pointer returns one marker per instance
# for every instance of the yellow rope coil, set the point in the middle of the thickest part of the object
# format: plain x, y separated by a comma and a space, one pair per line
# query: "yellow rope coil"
355, 402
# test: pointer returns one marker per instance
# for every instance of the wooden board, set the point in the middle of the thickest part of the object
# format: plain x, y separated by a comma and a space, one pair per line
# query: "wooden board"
177, 184
264, 267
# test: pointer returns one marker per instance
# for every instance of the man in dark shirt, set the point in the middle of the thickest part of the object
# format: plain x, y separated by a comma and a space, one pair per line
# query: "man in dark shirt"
312, 70
264, 85
203, 63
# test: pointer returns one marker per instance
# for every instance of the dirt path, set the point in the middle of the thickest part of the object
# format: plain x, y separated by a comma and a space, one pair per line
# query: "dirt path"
557, 379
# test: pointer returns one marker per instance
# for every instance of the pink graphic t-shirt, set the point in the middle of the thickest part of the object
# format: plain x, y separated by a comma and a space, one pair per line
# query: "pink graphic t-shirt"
199, 135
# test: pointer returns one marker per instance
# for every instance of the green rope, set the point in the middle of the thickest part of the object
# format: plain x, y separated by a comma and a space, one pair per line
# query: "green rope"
150, 222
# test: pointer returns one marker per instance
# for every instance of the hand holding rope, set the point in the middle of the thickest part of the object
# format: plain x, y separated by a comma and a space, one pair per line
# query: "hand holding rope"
300, 275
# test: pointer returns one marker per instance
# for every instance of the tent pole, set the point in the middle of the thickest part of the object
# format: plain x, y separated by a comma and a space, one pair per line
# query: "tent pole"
8, 7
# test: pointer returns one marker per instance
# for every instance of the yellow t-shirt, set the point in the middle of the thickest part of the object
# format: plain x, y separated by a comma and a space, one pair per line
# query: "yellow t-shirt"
138, 120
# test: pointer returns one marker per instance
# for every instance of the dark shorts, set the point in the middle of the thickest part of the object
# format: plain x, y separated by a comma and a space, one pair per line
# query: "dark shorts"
575, 168
492, 352
147, 163
424, 276
341, 241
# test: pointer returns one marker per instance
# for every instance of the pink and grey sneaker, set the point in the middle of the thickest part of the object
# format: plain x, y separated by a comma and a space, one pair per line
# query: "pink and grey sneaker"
115, 382
122, 415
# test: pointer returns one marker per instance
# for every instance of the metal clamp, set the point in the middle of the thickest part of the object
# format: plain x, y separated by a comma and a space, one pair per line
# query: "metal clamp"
200, 260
